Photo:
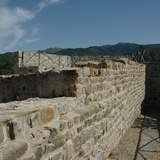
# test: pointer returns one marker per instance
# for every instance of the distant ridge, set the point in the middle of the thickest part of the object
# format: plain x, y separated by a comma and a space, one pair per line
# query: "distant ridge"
117, 49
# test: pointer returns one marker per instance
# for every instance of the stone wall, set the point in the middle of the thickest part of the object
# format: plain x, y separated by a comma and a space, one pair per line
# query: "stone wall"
107, 98
47, 84
29, 62
152, 99
152, 93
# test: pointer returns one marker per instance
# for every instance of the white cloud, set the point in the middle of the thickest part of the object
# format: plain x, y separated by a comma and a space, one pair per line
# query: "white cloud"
46, 3
18, 34
12, 21
32, 40
11, 25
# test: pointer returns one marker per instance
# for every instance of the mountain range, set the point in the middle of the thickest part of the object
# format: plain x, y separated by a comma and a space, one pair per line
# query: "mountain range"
117, 49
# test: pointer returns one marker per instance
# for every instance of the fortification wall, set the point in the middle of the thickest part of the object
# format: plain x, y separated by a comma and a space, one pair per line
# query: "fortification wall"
107, 98
47, 84
152, 99
29, 62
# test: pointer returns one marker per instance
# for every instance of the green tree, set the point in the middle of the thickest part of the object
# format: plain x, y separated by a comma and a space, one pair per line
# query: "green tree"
6, 68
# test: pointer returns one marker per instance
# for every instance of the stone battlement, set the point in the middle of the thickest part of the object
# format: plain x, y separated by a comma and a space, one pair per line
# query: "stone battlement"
77, 113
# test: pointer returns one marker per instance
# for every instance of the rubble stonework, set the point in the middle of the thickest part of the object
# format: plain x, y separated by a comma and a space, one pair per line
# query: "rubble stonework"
94, 105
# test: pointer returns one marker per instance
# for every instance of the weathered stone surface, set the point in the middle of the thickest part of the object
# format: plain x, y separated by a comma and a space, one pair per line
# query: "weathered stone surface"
77, 143
107, 99
68, 150
53, 133
13, 151
60, 140
83, 113
1, 134
39, 152
53, 156
47, 115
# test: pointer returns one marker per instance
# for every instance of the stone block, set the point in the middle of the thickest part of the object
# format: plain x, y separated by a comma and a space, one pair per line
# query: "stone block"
53, 133
53, 156
94, 79
69, 120
47, 115
93, 108
77, 143
83, 113
60, 139
39, 152
86, 72
68, 150
13, 151
1, 134
86, 135
88, 89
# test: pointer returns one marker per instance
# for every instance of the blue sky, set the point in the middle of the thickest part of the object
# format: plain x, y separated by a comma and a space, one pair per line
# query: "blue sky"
30, 25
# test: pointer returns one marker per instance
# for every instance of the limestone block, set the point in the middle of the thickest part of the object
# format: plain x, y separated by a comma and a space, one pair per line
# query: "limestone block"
68, 150
39, 152
84, 113
86, 72
93, 87
71, 119
86, 135
57, 155
47, 115
94, 79
103, 72
98, 96
64, 124
87, 148
1, 134
79, 90
90, 98
77, 143
53, 133
80, 80
39, 137
88, 89
13, 151
60, 139
93, 108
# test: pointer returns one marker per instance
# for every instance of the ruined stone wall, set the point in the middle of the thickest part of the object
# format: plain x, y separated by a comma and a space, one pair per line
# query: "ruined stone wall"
47, 84
107, 98
29, 62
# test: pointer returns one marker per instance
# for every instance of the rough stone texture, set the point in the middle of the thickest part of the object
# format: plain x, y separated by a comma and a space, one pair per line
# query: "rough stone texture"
13, 151
48, 84
108, 98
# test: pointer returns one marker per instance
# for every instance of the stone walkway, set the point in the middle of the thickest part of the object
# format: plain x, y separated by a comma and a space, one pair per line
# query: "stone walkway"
142, 141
